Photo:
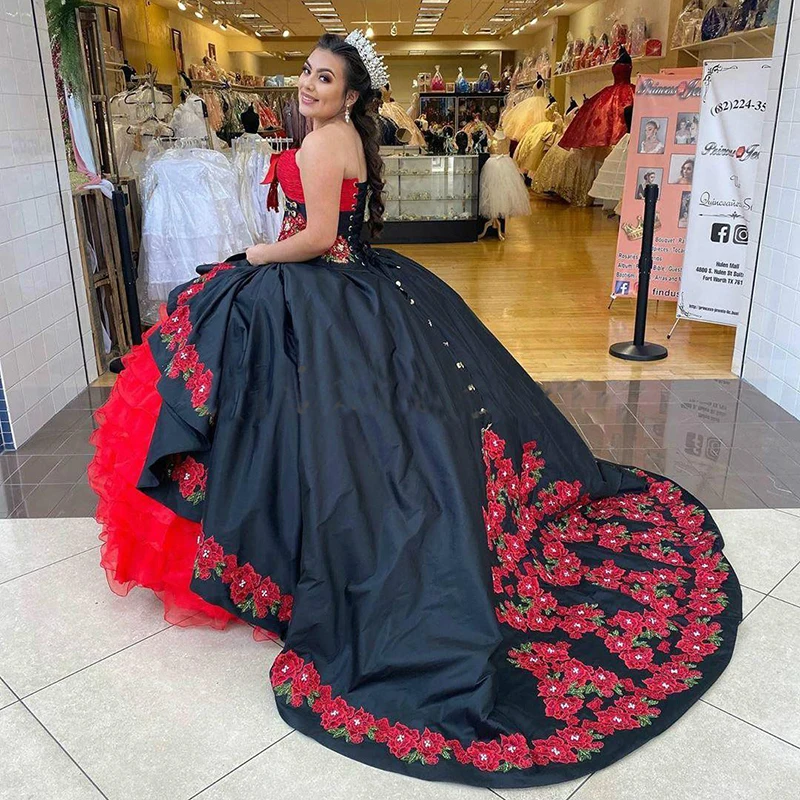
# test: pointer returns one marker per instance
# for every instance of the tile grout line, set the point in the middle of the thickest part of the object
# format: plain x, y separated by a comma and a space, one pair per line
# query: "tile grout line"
52, 563
751, 724
63, 749
169, 626
230, 772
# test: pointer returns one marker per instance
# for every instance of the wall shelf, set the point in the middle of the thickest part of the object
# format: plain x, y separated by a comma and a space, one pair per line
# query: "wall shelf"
746, 38
575, 73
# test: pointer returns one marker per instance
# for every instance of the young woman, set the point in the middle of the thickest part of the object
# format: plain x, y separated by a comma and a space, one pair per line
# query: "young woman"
686, 173
651, 143
324, 442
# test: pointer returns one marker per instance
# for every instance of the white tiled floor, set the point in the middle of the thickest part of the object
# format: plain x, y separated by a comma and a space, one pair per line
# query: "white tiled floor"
110, 701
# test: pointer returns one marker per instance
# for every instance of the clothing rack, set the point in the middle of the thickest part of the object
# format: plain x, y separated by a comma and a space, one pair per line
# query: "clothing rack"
280, 143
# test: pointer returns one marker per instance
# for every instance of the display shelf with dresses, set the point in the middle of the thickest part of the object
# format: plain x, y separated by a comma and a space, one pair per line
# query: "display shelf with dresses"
642, 63
755, 41
431, 198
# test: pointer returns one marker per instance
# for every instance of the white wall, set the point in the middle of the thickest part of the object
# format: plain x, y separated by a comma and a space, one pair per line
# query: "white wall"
768, 354
41, 347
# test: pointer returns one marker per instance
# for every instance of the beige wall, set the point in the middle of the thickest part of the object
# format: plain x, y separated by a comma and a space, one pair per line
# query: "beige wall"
600, 13
146, 29
542, 37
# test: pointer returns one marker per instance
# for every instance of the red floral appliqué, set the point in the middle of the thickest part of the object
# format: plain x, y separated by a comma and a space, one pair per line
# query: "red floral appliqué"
294, 222
191, 477
175, 331
587, 703
249, 591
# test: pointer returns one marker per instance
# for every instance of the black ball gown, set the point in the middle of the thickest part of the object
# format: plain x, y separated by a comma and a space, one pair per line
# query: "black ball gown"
341, 453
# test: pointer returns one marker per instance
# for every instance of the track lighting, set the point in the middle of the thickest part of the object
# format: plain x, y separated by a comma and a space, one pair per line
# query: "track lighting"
286, 33
199, 12
181, 5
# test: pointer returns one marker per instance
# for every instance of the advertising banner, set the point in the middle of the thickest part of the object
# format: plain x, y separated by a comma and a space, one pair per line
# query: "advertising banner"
733, 103
664, 135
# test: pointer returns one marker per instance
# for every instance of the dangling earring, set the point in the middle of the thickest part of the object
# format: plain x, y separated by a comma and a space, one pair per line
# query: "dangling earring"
347, 114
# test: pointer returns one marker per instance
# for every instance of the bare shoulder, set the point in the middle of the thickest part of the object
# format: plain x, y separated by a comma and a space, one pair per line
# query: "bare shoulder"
324, 145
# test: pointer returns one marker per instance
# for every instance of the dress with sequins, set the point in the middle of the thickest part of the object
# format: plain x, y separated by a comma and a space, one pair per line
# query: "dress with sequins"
339, 453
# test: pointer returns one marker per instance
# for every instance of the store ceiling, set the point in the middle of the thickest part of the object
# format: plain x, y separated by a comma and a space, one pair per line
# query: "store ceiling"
419, 19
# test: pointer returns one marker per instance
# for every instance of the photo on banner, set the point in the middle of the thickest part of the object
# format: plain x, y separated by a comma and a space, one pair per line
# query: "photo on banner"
733, 104
665, 127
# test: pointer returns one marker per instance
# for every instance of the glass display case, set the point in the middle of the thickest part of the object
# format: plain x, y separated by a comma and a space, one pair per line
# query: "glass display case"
431, 188
438, 109
459, 109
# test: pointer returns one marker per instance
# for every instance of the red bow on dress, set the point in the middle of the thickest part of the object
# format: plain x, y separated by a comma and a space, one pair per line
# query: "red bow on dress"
272, 180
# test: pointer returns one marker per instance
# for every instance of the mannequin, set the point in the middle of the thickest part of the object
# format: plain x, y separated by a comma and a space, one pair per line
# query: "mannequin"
485, 83
462, 86
503, 192
251, 161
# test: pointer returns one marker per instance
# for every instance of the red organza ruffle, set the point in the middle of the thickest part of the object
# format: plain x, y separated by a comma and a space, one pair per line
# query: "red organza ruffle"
144, 543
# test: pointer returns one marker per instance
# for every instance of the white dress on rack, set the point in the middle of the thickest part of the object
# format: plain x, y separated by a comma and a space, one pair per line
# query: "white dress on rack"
188, 121
251, 157
191, 215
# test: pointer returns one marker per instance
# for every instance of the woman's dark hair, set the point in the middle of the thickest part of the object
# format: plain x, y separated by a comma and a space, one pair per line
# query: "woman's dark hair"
357, 78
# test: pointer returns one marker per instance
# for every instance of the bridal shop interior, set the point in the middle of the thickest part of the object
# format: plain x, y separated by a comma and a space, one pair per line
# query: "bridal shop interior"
548, 550
149, 154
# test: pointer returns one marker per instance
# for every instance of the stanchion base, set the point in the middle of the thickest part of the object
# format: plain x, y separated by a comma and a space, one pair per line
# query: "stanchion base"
638, 352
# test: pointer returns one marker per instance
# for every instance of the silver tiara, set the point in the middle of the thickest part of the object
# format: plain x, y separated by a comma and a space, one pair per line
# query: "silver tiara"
378, 74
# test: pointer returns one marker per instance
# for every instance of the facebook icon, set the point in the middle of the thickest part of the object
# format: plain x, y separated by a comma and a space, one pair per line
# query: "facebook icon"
622, 288
720, 232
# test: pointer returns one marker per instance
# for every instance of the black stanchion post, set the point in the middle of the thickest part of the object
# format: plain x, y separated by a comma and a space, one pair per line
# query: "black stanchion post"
639, 349
120, 201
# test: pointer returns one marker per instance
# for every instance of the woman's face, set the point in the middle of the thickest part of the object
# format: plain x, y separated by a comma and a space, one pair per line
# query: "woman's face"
650, 130
687, 170
321, 87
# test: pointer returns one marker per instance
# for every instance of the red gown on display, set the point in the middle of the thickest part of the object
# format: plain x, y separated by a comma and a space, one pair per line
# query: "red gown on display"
600, 122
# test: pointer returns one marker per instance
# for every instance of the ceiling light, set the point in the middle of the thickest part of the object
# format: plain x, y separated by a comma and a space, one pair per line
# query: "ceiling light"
181, 5
199, 12
515, 32
465, 30
215, 21
369, 32
534, 21
393, 29
286, 33
223, 26
257, 33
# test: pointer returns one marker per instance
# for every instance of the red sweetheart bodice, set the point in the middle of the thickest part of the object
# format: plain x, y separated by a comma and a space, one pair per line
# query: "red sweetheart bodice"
283, 170
622, 72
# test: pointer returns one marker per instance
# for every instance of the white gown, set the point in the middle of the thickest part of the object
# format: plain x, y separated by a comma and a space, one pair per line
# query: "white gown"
251, 157
610, 181
192, 215
503, 192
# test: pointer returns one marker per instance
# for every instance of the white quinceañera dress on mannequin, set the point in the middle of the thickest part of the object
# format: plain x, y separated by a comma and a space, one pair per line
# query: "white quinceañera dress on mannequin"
503, 192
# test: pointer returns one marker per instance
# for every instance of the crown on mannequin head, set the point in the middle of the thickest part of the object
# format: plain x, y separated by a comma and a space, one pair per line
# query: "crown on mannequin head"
378, 74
